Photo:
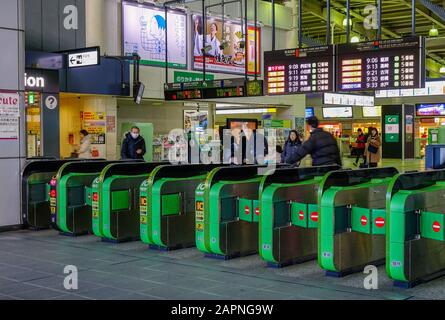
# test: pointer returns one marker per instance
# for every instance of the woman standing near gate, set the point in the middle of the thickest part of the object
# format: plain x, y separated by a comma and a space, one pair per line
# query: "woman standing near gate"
373, 148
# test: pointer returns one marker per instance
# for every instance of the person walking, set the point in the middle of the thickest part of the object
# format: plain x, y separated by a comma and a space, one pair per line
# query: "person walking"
360, 147
133, 146
291, 146
373, 148
321, 145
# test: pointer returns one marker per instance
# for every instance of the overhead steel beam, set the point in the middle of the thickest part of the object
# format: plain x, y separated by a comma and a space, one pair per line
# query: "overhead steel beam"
434, 8
426, 14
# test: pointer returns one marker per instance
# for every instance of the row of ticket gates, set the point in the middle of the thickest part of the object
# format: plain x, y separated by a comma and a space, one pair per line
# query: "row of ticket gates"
346, 218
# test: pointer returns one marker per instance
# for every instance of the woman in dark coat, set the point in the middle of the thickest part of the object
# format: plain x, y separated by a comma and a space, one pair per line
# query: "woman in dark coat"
291, 146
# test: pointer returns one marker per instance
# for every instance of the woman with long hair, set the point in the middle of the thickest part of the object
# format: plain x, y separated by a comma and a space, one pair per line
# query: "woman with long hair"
293, 142
373, 148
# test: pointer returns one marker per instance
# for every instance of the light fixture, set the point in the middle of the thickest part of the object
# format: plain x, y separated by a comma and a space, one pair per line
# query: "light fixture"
434, 32
355, 39
442, 69
345, 22
244, 111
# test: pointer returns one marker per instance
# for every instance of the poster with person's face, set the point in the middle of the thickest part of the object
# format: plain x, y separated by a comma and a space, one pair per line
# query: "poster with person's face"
224, 46
144, 28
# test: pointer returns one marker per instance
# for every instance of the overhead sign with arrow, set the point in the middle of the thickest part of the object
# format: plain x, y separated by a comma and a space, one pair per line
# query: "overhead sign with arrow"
84, 57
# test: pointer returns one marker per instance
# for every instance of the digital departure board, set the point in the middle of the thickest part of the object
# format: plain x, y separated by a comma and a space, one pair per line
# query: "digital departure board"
294, 71
229, 88
382, 64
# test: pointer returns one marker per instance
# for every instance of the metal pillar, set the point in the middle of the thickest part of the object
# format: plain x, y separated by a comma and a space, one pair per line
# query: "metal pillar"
273, 25
379, 19
328, 22
300, 17
348, 21
255, 17
166, 44
413, 17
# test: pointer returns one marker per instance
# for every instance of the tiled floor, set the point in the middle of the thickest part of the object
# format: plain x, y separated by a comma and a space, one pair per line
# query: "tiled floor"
32, 267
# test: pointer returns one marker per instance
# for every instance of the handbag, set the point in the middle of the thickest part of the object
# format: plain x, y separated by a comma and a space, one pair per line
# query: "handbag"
373, 149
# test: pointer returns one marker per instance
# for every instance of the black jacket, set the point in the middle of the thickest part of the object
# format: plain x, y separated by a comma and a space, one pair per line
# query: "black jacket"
322, 147
130, 146
290, 152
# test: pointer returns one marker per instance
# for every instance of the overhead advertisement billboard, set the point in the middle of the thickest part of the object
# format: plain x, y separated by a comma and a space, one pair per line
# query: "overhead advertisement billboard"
143, 32
225, 51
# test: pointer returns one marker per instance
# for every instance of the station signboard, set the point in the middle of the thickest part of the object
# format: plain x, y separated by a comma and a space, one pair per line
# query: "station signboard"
381, 65
305, 70
84, 57
229, 88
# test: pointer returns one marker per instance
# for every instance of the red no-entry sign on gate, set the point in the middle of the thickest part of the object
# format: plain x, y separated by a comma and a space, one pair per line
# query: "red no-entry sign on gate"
379, 222
301, 215
246, 210
436, 226
314, 216
364, 220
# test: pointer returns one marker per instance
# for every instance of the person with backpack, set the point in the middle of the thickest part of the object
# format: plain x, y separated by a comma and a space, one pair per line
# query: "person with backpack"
360, 146
293, 142
373, 148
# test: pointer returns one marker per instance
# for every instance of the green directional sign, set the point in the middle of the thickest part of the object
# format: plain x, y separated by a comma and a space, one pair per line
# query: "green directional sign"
184, 76
392, 128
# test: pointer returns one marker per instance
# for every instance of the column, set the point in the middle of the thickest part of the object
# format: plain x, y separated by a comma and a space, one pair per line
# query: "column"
12, 136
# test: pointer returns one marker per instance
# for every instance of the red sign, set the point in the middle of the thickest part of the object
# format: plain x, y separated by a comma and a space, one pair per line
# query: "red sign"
379, 222
257, 211
247, 210
52, 194
301, 215
364, 220
95, 196
314, 216
436, 226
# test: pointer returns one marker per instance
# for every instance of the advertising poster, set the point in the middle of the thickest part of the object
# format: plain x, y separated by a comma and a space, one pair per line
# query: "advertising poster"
9, 115
144, 33
9, 128
225, 51
196, 120
392, 131
95, 124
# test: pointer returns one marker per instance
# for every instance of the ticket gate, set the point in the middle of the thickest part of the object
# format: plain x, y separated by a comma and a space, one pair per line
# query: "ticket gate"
167, 205
351, 232
227, 212
115, 200
415, 233
71, 196
289, 215
36, 179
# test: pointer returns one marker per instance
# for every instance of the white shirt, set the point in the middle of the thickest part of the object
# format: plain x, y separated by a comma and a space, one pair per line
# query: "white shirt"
214, 42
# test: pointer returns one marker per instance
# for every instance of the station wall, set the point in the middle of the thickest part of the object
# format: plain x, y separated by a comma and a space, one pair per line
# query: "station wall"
12, 66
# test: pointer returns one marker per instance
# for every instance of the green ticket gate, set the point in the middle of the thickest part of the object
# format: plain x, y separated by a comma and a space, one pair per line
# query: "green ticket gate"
289, 215
351, 232
227, 212
71, 196
415, 232
37, 175
115, 200
167, 205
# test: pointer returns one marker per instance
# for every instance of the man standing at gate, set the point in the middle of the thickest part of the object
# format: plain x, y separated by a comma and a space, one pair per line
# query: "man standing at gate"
133, 146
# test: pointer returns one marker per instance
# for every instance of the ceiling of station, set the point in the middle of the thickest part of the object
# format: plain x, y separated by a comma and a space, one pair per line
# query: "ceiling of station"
396, 21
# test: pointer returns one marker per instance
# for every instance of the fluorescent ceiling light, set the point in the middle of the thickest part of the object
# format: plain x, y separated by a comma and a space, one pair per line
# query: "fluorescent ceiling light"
246, 111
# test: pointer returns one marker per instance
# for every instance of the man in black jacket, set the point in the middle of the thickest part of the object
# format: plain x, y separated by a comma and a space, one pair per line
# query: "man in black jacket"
321, 145
133, 146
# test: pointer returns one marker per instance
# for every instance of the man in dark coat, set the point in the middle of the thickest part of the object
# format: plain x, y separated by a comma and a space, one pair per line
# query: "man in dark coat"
133, 146
321, 145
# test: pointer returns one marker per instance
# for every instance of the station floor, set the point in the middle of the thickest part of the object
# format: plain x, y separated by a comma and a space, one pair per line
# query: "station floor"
32, 265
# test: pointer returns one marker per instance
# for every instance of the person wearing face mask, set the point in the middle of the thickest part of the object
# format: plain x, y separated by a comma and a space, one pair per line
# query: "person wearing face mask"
133, 146
321, 145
